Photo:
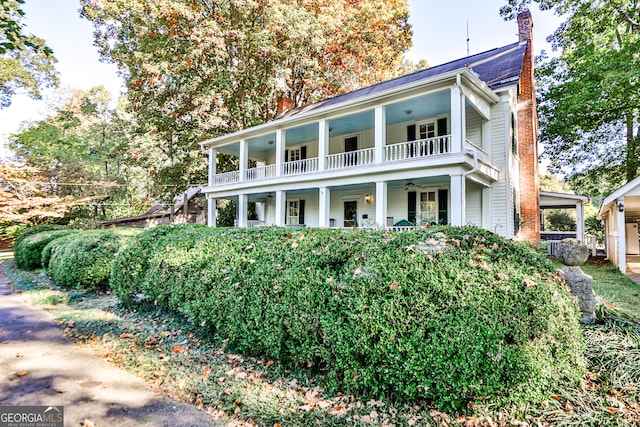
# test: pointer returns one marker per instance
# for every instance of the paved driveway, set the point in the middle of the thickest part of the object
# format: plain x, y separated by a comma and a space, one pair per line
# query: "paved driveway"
40, 366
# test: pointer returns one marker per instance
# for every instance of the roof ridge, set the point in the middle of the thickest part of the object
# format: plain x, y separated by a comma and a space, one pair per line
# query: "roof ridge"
504, 50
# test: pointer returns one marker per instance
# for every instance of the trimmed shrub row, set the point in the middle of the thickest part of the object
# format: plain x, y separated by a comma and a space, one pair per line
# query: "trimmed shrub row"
447, 314
29, 245
83, 260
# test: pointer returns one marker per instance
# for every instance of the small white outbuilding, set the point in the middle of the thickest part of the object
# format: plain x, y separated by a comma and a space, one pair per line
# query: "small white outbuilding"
620, 212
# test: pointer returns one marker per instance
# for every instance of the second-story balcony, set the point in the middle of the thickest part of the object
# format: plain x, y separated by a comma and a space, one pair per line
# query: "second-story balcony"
411, 133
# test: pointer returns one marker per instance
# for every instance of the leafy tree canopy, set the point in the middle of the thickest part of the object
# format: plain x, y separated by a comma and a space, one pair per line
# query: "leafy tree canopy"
590, 94
26, 63
199, 68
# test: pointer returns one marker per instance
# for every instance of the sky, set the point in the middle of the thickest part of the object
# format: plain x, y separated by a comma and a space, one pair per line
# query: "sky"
439, 36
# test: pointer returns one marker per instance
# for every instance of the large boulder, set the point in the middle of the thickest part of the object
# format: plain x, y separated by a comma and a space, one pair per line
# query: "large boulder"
581, 286
572, 252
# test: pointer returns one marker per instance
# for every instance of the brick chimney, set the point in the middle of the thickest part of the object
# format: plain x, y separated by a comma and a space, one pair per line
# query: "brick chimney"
528, 137
284, 105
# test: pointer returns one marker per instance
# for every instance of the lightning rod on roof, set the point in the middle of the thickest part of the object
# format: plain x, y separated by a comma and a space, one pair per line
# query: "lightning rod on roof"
467, 37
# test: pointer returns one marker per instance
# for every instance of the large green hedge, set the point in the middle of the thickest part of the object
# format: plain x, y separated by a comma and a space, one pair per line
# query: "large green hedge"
83, 260
29, 245
447, 314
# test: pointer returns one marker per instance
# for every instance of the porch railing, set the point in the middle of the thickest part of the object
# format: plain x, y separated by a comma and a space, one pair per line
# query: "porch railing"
262, 172
226, 178
300, 166
351, 158
416, 149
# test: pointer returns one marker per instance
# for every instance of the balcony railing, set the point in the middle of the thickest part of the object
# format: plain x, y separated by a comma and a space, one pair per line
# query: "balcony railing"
226, 178
262, 172
300, 166
417, 149
351, 158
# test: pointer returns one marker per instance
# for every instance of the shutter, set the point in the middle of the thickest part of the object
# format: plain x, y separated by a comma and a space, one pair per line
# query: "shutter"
442, 127
411, 133
286, 155
301, 212
303, 152
443, 203
411, 207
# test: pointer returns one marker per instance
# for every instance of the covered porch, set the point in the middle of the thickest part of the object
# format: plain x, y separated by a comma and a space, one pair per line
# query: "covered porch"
441, 124
394, 204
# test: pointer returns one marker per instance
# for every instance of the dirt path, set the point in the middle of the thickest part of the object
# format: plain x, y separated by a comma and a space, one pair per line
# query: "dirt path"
40, 366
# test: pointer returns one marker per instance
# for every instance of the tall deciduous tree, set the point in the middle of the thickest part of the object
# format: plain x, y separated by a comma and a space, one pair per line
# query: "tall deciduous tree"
590, 93
200, 68
26, 63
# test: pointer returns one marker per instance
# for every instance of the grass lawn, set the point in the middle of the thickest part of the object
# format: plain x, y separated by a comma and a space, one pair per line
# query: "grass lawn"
615, 289
242, 391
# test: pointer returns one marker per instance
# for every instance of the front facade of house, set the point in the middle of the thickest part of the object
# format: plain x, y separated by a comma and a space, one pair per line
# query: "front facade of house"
453, 144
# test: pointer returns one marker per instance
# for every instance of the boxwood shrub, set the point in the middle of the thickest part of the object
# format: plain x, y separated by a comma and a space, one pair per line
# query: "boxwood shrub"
29, 245
446, 314
83, 260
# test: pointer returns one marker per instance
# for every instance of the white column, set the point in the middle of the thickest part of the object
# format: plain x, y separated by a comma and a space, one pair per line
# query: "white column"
381, 203
457, 120
212, 213
243, 203
324, 203
323, 144
279, 152
580, 222
486, 208
281, 202
379, 133
622, 238
457, 194
213, 165
244, 154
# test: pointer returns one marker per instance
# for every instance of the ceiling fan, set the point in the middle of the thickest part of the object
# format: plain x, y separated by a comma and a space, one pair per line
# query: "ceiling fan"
410, 186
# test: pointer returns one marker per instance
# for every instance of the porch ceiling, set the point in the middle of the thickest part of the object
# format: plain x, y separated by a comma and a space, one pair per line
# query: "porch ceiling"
413, 109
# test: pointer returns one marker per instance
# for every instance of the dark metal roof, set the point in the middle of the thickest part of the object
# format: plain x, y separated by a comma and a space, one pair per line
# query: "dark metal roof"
496, 67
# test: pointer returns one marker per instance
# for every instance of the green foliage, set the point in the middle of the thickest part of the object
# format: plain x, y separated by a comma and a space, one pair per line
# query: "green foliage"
26, 63
194, 70
30, 244
83, 260
9, 231
37, 229
559, 220
589, 100
449, 317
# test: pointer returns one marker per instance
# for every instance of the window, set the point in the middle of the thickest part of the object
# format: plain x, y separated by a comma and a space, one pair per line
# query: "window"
427, 130
294, 155
293, 212
514, 135
428, 207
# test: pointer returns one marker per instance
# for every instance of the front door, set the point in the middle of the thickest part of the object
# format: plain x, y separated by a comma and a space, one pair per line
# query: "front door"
351, 213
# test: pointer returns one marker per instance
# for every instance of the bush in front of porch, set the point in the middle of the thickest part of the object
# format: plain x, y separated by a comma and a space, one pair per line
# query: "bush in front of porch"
446, 314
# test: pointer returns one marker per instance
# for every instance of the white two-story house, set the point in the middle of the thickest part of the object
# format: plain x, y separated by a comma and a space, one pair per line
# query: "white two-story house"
453, 144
